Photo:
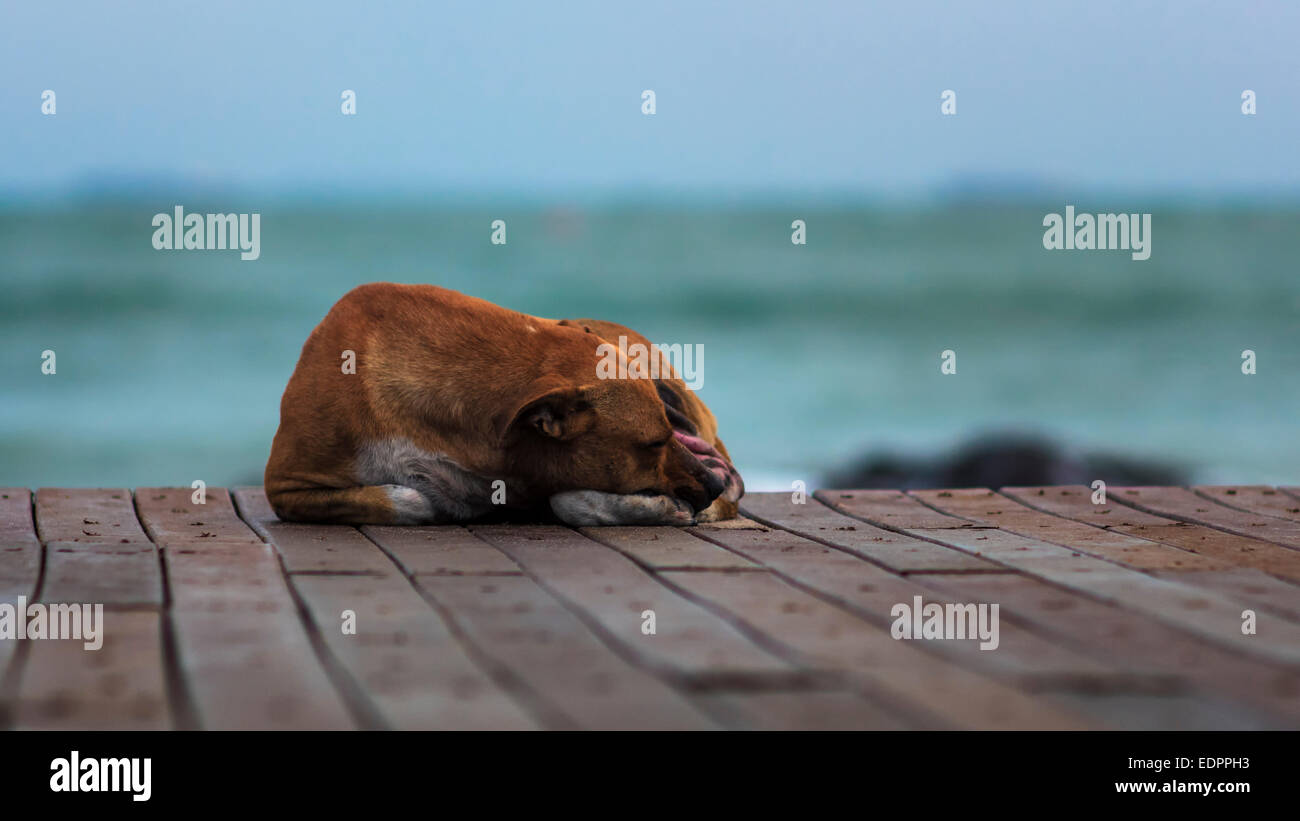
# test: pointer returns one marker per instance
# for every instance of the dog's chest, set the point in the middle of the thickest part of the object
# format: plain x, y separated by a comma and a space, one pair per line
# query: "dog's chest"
451, 488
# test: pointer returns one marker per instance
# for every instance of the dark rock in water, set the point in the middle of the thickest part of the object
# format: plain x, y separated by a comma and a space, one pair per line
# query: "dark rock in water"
1003, 460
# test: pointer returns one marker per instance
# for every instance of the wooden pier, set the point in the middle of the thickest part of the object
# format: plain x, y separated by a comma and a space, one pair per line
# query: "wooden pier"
1163, 608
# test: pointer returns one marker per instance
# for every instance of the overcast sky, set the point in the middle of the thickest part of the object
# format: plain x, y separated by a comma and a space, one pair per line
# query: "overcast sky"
529, 97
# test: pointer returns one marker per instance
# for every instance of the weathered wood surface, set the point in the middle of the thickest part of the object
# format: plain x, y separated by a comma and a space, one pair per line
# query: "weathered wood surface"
1125, 614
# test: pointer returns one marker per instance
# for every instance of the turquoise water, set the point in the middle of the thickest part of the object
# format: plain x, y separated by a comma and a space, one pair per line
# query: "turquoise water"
171, 364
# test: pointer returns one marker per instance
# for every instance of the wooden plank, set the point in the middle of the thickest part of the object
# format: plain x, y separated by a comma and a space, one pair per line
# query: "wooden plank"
1133, 642
1086, 678
20, 550
897, 674
566, 666
111, 563
115, 575
1184, 505
170, 515
1203, 612
20, 569
441, 550
1137, 645
666, 548
890, 508
1263, 556
815, 710
308, 548
1074, 502
403, 662
1251, 587
984, 507
244, 654
1248, 586
523, 630
872, 592
16, 525
1253, 499
899, 553
96, 550
1166, 711
120, 686
88, 515
403, 656
1209, 614
613, 592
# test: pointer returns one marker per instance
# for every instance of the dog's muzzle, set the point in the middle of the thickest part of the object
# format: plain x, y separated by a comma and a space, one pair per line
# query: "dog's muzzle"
713, 474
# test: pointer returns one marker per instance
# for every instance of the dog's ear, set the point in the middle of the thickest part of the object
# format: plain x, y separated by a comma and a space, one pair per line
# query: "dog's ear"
559, 413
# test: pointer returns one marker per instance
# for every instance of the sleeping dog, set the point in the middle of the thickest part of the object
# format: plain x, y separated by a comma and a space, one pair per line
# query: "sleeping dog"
413, 404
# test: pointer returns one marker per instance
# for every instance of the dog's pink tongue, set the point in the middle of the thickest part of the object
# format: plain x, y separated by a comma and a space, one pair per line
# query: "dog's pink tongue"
694, 443
714, 461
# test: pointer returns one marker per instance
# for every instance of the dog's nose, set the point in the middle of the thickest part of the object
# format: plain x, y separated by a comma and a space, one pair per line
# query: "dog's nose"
693, 495
700, 493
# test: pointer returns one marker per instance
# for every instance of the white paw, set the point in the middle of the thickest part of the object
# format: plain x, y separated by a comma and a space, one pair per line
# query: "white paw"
592, 508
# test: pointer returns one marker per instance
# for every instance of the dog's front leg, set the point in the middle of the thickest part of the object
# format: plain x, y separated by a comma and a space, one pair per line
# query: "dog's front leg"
591, 508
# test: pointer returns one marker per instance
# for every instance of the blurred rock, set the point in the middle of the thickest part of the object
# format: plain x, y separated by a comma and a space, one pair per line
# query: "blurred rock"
1003, 460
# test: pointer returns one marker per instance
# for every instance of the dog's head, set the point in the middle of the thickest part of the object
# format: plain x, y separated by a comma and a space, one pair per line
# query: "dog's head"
611, 435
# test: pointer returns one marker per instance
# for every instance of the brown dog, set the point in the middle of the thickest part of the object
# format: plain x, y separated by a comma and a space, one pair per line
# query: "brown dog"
455, 407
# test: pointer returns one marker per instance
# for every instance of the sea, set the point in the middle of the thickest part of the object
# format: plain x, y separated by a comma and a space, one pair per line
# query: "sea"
169, 365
